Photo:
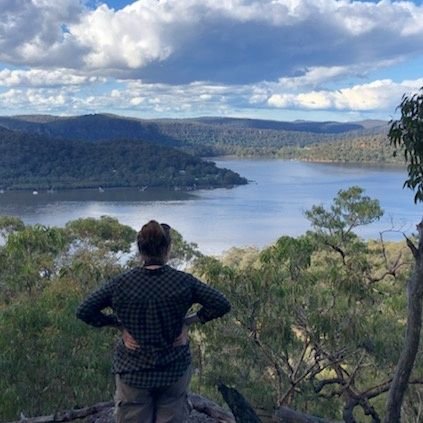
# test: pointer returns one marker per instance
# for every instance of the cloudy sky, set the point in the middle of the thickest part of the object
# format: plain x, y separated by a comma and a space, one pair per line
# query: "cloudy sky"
276, 59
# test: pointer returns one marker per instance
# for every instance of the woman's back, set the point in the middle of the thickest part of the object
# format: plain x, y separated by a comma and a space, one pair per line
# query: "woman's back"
150, 306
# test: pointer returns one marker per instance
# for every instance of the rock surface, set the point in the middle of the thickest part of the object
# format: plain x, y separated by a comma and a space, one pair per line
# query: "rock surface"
106, 416
203, 411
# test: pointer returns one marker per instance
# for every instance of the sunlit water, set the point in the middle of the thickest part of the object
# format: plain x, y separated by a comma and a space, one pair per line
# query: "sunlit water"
252, 215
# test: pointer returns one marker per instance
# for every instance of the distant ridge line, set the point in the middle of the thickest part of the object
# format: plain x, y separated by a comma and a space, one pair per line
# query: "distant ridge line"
30, 122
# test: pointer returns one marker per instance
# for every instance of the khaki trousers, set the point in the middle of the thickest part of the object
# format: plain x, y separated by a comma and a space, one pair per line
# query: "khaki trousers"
167, 404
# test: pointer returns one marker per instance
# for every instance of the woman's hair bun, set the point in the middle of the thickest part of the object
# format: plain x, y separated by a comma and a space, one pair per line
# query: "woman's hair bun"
154, 240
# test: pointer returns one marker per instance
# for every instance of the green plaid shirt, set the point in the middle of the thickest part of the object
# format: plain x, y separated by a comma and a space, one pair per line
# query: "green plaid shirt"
151, 305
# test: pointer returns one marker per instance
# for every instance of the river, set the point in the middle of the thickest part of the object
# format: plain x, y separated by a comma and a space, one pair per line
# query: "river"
256, 214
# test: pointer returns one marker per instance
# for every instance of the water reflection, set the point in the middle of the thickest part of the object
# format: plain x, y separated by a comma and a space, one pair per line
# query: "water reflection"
255, 214
104, 195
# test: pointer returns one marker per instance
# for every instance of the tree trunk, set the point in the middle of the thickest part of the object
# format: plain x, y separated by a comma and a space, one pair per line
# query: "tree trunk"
412, 338
210, 408
240, 407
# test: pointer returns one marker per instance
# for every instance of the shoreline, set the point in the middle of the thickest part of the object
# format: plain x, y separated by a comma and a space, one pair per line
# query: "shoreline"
354, 164
190, 189
388, 165
103, 189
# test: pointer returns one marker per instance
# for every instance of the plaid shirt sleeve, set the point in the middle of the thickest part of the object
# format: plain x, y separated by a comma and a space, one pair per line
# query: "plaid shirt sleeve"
90, 311
214, 303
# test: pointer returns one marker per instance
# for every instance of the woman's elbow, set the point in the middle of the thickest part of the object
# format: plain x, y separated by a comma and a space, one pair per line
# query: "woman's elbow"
226, 308
81, 314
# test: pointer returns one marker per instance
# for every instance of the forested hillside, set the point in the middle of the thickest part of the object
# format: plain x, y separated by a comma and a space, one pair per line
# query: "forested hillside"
298, 125
360, 149
89, 128
202, 136
30, 161
317, 321
41, 152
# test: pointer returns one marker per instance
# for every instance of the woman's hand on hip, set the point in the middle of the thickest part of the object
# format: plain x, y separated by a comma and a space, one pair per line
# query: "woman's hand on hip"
129, 341
182, 338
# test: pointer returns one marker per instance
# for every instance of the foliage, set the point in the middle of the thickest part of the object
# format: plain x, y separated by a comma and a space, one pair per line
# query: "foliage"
29, 258
354, 149
349, 210
49, 360
406, 135
10, 224
105, 232
182, 252
317, 323
317, 320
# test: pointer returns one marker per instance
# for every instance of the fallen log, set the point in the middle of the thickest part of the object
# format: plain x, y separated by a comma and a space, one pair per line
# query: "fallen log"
69, 415
200, 404
245, 413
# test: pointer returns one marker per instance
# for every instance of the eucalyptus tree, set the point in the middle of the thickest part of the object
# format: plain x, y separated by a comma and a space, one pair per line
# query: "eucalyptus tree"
406, 135
314, 324
49, 360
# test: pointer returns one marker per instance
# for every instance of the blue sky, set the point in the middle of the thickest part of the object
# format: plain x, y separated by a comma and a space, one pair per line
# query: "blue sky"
275, 59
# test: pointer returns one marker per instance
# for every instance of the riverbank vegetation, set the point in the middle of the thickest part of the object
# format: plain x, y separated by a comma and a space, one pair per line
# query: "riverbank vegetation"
35, 162
317, 322
372, 149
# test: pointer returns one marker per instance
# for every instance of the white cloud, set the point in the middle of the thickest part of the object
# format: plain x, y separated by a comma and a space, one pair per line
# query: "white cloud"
209, 40
314, 76
42, 100
376, 95
45, 78
231, 41
126, 97
127, 38
140, 99
34, 31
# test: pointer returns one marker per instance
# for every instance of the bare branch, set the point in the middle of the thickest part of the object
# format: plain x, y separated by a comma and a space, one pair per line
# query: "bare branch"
320, 385
338, 250
392, 271
297, 367
356, 369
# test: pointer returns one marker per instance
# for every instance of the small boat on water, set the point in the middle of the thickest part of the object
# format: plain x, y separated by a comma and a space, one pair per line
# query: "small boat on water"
35, 192
100, 189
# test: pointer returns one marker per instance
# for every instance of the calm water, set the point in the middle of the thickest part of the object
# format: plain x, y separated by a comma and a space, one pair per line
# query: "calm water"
256, 214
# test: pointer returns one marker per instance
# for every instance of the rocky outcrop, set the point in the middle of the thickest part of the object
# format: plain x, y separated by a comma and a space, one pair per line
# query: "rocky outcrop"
203, 411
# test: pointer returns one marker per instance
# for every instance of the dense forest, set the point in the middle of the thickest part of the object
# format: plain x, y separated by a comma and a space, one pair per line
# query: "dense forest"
30, 161
317, 322
42, 152
49, 152
360, 149
201, 137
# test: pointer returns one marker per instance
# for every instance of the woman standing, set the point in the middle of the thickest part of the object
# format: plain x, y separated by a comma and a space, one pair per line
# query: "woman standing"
152, 362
